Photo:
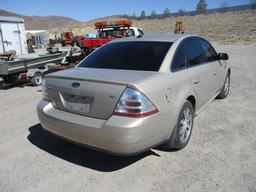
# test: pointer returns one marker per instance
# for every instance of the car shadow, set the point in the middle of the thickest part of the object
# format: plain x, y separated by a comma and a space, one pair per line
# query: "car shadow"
80, 155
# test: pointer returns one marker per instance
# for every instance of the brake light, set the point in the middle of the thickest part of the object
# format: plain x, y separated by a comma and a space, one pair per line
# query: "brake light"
134, 104
44, 90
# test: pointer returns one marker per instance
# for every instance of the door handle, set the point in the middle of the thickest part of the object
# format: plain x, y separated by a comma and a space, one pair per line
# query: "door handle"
7, 42
196, 81
214, 73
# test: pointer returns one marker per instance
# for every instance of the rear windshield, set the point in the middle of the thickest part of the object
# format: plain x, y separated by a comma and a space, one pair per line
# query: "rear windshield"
144, 56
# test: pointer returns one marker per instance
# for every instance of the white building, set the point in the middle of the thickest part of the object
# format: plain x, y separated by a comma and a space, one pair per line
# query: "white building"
12, 35
38, 37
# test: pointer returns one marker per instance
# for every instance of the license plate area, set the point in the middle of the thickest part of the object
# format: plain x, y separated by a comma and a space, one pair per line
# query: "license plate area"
77, 103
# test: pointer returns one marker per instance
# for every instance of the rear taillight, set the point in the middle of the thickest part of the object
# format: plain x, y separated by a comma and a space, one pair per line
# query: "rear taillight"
134, 104
44, 90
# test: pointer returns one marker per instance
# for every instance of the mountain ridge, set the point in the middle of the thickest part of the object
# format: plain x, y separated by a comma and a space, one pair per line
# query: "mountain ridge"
42, 22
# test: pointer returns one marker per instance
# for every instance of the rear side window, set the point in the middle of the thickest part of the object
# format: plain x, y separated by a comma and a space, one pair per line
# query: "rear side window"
210, 53
144, 56
195, 52
140, 32
130, 33
179, 60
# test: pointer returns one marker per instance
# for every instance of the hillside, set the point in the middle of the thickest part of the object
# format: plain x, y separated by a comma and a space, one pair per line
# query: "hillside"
227, 27
40, 22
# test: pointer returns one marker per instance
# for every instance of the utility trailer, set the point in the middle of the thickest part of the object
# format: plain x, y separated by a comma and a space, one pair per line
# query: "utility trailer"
24, 66
29, 67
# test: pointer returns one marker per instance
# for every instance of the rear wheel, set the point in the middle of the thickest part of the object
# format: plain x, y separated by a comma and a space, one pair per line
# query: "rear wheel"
37, 79
226, 87
182, 132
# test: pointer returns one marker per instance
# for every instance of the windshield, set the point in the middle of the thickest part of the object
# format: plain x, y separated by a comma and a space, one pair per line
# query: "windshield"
144, 56
111, 34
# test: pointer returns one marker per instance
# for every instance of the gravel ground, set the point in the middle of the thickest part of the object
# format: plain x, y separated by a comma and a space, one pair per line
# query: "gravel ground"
221, 155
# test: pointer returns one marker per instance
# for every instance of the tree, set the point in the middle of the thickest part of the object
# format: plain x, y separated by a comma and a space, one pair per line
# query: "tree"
201, 7
167, 13
181, 12
134, 15
153, 15
223, 6
253, 4
142, 14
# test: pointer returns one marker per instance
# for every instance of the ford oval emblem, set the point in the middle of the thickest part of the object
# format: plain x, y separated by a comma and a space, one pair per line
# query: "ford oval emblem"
75, 84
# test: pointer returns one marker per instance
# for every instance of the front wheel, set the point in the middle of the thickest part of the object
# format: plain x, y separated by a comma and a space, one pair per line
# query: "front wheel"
225, 89
182, 132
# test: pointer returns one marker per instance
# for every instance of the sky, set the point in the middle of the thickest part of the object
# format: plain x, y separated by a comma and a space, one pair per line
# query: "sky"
84, 10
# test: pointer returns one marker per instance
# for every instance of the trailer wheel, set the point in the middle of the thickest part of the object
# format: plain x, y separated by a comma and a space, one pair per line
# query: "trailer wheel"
37, 79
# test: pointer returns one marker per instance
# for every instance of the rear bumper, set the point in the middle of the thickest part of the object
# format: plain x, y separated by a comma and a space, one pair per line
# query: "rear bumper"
118, 135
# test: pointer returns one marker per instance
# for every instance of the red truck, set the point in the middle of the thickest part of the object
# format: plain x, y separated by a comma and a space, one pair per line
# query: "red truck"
106, 32
67, 38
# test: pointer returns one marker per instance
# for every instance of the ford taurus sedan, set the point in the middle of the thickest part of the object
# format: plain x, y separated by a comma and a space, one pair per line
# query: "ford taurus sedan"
136, 93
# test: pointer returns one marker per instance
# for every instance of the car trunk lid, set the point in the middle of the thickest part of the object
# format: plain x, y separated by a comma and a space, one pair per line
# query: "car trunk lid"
89, 92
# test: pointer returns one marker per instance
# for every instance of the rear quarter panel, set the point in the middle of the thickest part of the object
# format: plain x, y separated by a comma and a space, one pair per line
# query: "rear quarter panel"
167, 92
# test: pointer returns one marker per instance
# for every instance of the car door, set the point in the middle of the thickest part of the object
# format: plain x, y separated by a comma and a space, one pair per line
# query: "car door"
199, 71
216, 67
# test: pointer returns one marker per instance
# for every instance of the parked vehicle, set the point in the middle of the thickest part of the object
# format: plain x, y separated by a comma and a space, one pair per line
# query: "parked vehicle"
107, 32
28, 67
15, 63
135, 93
67, 38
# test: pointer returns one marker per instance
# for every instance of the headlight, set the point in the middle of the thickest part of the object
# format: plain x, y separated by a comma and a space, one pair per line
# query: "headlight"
44, 90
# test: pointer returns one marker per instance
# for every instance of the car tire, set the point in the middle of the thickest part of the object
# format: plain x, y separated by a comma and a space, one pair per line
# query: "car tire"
225, 89
182, 132
37, 79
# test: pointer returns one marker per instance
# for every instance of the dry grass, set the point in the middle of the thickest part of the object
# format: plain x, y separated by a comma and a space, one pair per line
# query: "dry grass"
223, 28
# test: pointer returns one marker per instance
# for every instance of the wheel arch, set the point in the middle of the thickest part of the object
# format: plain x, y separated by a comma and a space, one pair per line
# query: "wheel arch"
229, 71
187, 94
192, 100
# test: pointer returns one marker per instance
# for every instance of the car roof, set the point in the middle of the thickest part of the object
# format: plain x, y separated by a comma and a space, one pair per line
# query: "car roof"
156, 37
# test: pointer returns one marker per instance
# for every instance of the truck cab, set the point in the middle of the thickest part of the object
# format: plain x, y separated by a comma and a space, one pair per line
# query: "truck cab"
67, 38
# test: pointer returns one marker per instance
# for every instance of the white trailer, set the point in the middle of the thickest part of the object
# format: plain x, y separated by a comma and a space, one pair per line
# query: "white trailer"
13, 35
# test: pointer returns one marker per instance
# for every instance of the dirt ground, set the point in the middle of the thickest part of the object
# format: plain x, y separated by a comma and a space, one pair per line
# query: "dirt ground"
221, 155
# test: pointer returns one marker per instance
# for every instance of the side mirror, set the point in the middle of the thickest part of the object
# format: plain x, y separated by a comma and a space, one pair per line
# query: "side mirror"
223, 56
